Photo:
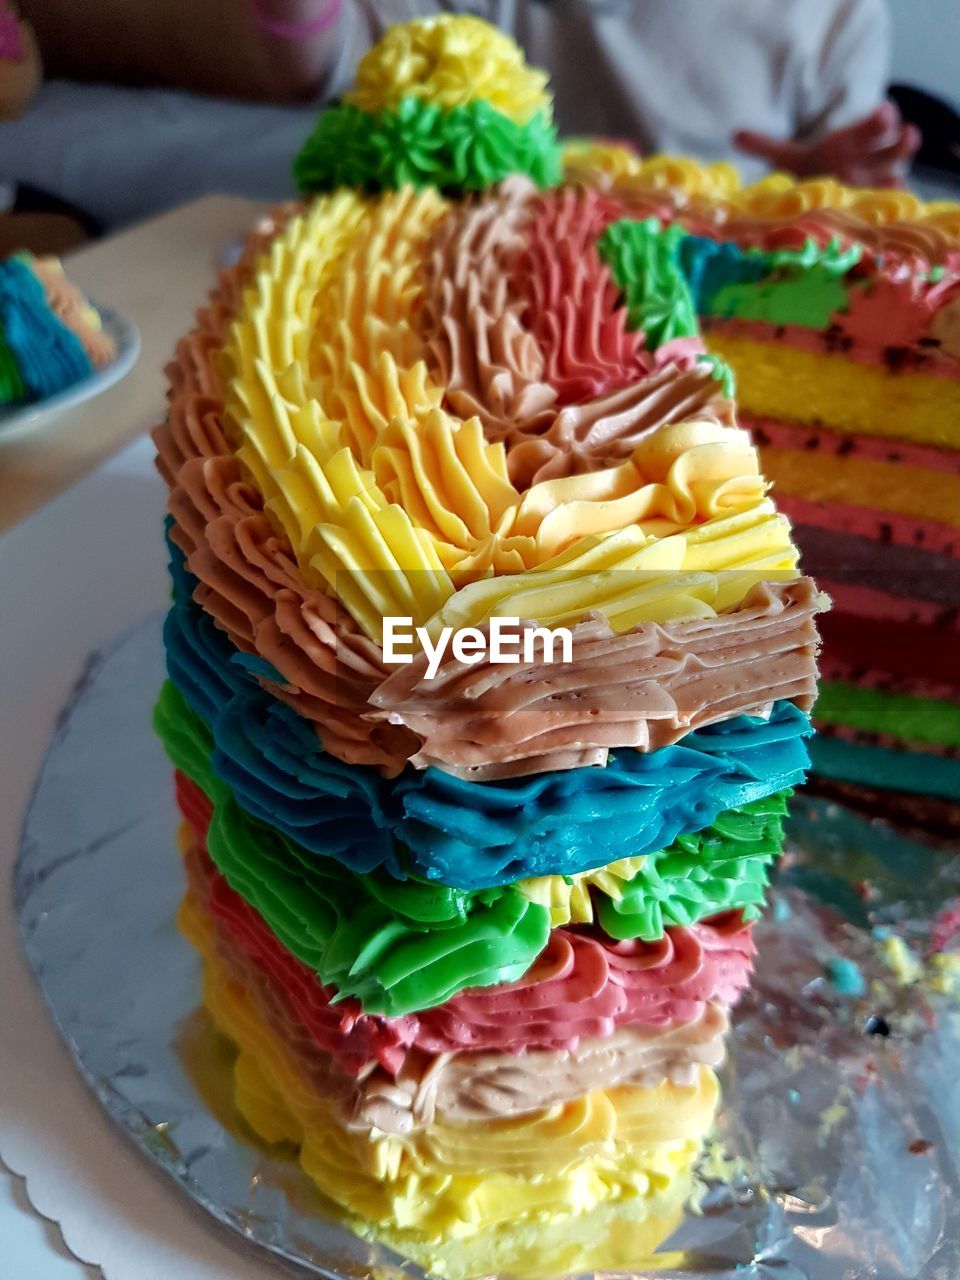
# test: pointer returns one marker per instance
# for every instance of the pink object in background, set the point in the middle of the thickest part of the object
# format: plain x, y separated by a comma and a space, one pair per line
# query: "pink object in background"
283, 30
11, 41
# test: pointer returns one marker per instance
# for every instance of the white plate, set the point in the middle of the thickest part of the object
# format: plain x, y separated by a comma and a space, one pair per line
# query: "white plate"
15, 419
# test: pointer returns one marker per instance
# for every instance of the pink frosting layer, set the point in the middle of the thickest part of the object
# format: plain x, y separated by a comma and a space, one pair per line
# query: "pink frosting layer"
582, 986
880, 606
574, 308
896, 309
585, 985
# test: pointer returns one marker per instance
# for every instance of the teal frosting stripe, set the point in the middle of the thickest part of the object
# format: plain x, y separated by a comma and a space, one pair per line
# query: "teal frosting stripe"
804, 286
874, 766
466, 148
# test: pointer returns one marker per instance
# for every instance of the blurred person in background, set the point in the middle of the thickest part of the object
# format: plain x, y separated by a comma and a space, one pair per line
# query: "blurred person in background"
29, 219
794, 84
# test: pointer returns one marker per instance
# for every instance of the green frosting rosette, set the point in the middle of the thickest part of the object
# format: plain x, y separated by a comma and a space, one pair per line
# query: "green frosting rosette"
447, 103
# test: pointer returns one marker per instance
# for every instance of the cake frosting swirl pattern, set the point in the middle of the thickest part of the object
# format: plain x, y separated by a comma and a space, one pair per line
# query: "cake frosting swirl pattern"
475, 932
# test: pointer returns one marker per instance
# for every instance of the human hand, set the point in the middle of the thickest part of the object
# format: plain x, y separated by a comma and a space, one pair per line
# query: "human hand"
872, 152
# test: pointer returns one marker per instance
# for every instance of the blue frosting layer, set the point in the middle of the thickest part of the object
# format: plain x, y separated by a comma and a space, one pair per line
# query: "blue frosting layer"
470, 835
49, 356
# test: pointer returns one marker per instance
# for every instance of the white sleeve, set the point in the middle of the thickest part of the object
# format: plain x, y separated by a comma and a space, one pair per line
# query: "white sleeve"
848, 66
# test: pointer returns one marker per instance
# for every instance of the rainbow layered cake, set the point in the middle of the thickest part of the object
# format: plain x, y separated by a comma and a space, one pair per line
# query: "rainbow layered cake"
838, 310
50, 335
474, 927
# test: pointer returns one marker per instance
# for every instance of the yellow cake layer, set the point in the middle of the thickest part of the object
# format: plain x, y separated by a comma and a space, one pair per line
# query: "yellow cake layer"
800, 386
615, 1236
591, 1215
918, 492
556, 1173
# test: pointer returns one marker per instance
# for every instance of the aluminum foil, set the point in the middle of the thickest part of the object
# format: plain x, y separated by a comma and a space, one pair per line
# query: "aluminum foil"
836, 1152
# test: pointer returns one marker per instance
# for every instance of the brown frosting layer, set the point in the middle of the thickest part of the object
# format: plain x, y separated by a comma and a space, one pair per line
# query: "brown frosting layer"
644, 688
463, 1087
602, 432
491, 365
249, 581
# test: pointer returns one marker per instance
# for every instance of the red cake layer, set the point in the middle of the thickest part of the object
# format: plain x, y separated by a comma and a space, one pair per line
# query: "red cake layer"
884, 527
915, 684
830, 444
902, 648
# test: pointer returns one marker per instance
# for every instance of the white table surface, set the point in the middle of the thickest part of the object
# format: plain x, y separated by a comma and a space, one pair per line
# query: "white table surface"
73, 574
